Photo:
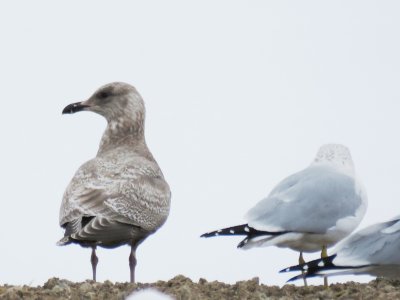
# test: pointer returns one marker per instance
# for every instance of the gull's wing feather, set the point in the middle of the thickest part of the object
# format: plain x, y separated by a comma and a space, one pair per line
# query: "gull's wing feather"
120, 193
373, 250
108, 233
311, 201
376, 244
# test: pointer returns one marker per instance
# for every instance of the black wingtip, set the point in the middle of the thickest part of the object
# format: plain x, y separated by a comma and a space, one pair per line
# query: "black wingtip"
243, 243
205, 235
293, 268
301, 276
234, 230
286, 270
312, 268
243, 230
209, 234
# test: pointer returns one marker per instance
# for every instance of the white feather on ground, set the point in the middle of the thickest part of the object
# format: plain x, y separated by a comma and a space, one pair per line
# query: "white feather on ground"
149, 294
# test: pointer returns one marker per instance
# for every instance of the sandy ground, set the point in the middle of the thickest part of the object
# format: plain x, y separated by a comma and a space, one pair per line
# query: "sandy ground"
183, 288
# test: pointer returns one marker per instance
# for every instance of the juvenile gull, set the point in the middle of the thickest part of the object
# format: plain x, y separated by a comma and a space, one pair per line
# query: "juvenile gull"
309, 210
120, 197
373, 251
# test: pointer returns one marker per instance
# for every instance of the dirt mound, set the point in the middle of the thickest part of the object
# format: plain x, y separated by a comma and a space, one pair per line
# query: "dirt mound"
183, 288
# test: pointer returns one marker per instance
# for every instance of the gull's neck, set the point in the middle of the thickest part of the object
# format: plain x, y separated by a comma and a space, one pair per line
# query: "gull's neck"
123, 132
345, 167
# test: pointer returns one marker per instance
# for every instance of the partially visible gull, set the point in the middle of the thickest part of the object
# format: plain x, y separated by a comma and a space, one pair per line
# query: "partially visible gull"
309, 210
373, 251
120, 197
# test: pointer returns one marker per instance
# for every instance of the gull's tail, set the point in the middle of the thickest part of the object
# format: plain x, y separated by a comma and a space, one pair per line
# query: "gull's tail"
319, 267
64, 241
243, 229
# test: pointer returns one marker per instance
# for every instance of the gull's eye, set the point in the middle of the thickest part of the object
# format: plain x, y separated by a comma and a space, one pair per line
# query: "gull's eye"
103, 94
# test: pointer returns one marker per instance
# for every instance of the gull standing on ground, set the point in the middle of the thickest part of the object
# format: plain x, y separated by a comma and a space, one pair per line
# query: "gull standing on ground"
309, 210
120, 197
373, 251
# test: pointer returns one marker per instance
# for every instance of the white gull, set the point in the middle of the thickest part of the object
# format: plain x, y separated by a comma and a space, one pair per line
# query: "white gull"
373, 251
309, 210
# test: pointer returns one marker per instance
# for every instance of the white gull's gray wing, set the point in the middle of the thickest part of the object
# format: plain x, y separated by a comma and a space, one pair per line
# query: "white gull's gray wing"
373, 250
310, 201
377, 244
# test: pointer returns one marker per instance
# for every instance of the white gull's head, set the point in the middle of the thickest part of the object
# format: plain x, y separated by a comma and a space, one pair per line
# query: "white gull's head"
336, 155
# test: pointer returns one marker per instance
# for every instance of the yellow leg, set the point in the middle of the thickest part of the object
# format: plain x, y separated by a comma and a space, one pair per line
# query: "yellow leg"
324, 254
302, 261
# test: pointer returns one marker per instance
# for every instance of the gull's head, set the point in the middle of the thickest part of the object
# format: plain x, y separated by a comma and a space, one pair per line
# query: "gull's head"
336, 155
115, 101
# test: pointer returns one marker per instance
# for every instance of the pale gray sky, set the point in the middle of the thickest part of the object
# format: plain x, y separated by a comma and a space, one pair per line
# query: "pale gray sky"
239, 95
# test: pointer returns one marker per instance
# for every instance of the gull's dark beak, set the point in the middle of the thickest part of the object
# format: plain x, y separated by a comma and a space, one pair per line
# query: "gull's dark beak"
74, 107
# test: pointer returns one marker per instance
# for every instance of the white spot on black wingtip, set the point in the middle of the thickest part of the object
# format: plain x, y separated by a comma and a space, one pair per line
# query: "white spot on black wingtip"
321, 263
305, 267
287, 270
217, 234
231, 231
245, 241
219, 231
247, 229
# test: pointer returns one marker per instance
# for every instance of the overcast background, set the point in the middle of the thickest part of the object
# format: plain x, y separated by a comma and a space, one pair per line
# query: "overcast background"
239, 95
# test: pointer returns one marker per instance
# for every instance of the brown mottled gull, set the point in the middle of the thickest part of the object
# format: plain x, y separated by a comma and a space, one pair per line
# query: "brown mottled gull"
119, 197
